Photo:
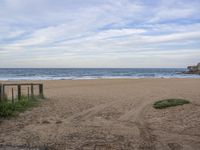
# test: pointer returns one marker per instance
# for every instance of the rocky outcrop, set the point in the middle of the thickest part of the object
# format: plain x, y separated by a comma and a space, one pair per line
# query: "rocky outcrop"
193, 69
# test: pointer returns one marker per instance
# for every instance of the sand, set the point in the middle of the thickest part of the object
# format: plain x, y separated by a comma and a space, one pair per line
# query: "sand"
109, 114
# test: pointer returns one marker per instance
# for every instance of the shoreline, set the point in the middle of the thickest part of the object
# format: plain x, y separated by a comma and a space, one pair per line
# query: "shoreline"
106, 78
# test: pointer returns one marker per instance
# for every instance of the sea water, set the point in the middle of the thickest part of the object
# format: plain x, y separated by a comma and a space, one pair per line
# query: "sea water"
90, 73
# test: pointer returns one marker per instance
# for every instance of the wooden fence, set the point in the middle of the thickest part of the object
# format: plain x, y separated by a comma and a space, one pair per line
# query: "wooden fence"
30, 90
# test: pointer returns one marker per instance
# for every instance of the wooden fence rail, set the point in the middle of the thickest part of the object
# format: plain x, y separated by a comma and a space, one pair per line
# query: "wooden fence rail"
19, 90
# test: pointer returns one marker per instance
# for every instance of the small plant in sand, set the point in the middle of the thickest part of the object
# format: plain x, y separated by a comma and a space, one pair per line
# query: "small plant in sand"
7, 108
169, 103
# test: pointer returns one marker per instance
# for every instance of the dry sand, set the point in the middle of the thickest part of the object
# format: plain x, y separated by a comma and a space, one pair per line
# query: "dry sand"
109, 114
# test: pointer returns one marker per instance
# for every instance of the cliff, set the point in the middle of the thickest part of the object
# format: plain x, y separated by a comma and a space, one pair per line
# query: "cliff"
193, 69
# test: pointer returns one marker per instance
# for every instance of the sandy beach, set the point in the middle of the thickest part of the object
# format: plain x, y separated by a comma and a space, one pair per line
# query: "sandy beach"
108, 114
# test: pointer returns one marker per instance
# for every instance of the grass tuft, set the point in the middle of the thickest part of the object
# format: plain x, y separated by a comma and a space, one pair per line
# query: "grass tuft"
8, 108
169, 103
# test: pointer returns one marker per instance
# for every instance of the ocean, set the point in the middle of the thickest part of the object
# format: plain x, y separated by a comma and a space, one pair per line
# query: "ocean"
90, 73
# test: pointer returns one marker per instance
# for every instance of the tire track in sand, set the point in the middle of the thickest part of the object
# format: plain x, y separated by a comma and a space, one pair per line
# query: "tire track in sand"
147, 139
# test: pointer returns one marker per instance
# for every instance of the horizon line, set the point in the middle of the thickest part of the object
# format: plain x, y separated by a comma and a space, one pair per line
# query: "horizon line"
94, 68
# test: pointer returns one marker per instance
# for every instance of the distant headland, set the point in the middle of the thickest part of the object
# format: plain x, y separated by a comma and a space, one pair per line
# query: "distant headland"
193, 69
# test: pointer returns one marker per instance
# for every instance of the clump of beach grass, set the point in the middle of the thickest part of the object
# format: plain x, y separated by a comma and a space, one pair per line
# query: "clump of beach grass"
8, 109
169, 103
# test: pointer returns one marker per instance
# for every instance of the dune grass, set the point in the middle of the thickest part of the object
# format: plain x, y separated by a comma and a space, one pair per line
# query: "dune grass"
169, 103
8, 108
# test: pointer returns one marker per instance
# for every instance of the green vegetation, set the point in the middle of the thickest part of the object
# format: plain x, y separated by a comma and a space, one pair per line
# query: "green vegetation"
169, 103
8, 108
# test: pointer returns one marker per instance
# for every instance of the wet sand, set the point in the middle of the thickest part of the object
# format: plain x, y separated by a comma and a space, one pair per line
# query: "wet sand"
108, 114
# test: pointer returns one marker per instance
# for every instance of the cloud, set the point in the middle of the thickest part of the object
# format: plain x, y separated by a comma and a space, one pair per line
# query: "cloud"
172, 10
46, 31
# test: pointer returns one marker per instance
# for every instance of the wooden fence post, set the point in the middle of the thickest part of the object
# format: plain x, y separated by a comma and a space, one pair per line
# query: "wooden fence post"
12, 96
19, 91
28, 94
32, 90
41, 90
1, 93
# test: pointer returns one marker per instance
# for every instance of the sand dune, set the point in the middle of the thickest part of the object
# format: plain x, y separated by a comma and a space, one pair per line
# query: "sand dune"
109, 114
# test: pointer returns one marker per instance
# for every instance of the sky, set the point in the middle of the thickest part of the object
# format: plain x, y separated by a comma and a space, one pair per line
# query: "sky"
99, 33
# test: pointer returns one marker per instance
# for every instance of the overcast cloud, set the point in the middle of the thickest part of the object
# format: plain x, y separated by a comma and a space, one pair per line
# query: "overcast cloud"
99, 33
